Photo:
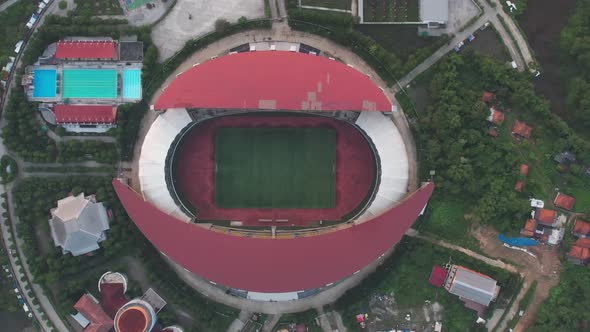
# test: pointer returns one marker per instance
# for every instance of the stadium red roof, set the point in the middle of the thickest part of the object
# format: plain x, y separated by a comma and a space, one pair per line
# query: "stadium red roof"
74, 49
272, 265
85, 113
274, 80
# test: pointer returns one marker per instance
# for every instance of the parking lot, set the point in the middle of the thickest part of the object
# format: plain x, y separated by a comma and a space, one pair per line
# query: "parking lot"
190, 19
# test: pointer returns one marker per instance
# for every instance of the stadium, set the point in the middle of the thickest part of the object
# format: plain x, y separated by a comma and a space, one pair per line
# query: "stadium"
273, 175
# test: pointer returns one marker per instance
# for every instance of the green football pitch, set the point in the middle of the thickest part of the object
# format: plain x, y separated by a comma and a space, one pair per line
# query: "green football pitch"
275, 168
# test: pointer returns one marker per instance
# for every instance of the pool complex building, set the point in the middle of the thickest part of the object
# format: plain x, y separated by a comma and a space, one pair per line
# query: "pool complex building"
91, 76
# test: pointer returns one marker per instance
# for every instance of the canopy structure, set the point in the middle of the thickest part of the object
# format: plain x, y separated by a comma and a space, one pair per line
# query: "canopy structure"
269, 265
274, 80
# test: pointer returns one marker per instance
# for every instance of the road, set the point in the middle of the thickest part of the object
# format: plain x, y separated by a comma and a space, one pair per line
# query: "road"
489, 15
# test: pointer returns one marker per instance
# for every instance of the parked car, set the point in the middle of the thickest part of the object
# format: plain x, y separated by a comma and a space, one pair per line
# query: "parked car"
458, 47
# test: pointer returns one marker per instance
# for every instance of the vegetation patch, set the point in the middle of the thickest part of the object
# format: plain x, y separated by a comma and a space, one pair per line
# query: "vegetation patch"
391, 10
97, 7
405, 277
332, 4
8, 169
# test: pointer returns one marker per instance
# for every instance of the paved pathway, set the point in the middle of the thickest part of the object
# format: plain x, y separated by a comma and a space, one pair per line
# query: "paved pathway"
7, 4
489, 15
521, 39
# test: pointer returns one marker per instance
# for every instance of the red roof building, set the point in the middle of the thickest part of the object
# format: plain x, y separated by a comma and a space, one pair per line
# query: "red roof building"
524, 169
298, 263
564, 201
438, 276
521, 129
519, 186
495, 117
546, 216
493, 132
87, 50
529, 228
581, 229
487, 97
580, 252
93, 312
85, 114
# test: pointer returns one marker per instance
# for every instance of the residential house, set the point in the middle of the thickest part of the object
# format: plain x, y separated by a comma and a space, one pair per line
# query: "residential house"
487, 97
564, 201
496, 117
521, 129
581, 229
580, 252
91, 316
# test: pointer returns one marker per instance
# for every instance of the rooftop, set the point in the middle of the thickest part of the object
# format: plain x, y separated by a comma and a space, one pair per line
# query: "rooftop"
564, 201
472, 286
495, 117
521, 129
487, 97
89, 307
546, 216
246, 267
85, 113
529, 228
434, 11
78, 224
437, 276
524, 169
86, 49
519, 186
581, 228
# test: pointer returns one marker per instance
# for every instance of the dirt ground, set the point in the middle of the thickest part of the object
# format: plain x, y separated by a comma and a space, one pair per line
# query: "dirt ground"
542, 31
544, 268
386, 314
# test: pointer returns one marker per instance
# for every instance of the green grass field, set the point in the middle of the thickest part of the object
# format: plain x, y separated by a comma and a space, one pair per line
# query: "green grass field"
275, 168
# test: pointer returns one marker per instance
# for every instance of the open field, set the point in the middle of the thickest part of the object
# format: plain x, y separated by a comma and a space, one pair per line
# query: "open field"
391, 10
98, 7
275, 167
333, 4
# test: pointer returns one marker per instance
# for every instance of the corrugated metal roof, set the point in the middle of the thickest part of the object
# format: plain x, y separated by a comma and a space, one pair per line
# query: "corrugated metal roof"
434, 11
473, 286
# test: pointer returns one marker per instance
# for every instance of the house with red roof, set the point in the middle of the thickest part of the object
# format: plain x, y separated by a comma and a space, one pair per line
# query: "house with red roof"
524, 169
581, 229
530, 228
487, 97
495, 117
519, 186
85, 118
564, 201
91, 316
580, 252
546, 217
521, 129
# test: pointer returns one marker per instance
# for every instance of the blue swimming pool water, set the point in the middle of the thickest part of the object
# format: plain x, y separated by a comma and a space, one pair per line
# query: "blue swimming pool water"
132, 83
44, 81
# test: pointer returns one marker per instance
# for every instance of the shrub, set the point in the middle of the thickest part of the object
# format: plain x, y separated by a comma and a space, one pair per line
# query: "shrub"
63, 5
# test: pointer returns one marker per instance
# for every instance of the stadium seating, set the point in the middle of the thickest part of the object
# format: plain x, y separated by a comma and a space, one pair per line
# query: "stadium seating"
393, 161
152, 160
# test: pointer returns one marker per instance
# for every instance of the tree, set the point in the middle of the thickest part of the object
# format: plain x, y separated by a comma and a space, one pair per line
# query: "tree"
63, 5
221, 25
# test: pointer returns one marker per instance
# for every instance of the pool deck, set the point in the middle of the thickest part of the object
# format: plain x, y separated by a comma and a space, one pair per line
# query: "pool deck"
119, 67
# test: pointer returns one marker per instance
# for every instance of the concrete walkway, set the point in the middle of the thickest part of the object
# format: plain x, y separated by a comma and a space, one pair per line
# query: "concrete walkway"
489, 15
7, 4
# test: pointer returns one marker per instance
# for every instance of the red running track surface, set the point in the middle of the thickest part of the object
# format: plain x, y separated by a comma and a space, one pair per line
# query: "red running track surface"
195, 170
274, 80
272, 265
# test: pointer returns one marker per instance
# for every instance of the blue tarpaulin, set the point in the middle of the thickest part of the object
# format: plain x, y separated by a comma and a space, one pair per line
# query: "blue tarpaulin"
517, 241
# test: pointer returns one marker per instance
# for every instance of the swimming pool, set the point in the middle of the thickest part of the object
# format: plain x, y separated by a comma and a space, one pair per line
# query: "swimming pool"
44, 82
132, 83
89, 83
